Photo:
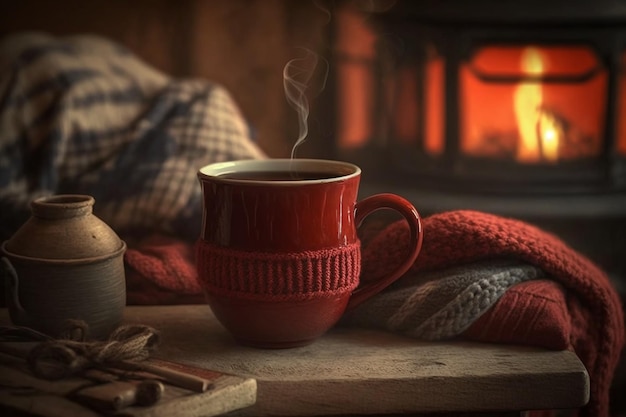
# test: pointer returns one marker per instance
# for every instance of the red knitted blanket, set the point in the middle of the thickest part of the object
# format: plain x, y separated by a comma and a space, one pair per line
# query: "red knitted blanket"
572, 305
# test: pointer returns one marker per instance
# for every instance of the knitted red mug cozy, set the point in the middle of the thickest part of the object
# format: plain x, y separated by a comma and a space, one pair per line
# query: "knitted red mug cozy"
278, 257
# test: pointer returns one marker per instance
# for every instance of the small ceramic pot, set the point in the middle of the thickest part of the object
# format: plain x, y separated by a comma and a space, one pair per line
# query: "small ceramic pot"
65, 263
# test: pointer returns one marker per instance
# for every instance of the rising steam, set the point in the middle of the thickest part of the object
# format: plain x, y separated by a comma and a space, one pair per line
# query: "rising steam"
297, 79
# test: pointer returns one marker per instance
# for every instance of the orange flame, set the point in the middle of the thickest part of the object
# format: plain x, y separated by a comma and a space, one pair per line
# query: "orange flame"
539, 132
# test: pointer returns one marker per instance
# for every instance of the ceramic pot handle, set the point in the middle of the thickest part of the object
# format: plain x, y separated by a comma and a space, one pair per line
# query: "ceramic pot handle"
405, 208
11, 287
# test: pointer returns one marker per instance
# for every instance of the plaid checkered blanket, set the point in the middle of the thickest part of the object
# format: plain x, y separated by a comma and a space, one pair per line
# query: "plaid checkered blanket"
84, 115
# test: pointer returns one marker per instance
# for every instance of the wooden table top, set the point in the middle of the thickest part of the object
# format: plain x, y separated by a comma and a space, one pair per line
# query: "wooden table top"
356, 371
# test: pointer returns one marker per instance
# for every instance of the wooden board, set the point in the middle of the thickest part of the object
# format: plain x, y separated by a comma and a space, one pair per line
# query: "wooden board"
355, 371
20, 391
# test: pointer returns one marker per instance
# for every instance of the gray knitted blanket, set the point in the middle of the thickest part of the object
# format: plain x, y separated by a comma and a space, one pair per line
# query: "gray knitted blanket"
440, 304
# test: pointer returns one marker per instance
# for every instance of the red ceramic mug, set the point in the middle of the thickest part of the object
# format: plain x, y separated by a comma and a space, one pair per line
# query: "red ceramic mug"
278, 257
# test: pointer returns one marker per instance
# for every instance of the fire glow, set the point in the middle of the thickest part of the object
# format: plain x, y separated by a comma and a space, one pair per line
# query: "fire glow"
539, 133
523, 104
532, 104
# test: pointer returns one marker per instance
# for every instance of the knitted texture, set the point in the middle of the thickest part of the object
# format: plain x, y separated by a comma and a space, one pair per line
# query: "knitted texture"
531, 313
278, 276
171, 260
594, 318
464, 294
479, 276
162, 270
441, 304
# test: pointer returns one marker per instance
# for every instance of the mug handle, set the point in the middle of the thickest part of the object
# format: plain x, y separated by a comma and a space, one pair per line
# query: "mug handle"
366, 207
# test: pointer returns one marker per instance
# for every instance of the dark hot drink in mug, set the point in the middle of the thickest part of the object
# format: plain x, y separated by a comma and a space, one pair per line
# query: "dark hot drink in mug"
278, 256
278, 175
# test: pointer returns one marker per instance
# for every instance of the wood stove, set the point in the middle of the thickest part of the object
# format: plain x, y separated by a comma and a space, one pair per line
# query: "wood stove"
515, 108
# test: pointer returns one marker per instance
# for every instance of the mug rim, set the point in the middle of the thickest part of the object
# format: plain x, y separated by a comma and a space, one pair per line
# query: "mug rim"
214, 171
